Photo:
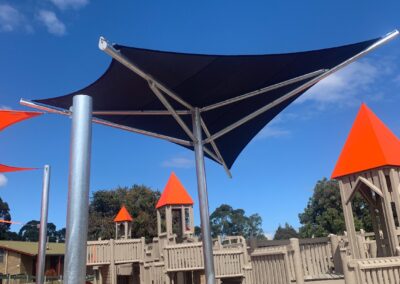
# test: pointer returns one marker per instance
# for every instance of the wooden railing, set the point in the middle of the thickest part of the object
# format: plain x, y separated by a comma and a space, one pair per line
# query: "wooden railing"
98, 252
184, 257
117, 251
228, 263
131, 250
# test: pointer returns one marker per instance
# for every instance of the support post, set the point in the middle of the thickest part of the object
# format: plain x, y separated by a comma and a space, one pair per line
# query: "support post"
298, 267
203, 199
41, 263
335, 250
78, 190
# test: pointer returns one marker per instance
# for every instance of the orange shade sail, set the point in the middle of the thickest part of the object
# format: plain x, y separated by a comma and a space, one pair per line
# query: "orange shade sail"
123, 216
9, 117
174, 193
370, 144
8, 169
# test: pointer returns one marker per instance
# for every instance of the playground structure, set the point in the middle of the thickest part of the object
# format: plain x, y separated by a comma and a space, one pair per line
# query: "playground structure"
175, 256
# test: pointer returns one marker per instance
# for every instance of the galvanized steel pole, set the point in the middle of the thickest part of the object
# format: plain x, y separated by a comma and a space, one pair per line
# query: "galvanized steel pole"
78, 190
41, 262
203, 199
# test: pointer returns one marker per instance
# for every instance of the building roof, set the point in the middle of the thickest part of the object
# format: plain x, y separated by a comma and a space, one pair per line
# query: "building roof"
123, 215
174, 193
369, 145
31, 248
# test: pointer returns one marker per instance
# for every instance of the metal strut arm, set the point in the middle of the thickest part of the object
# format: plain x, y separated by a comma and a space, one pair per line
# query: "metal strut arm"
306, 85
107, 123
117, 55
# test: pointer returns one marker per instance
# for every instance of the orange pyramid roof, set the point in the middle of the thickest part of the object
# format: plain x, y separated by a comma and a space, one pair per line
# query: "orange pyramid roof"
123, 216
174, 193
369, 145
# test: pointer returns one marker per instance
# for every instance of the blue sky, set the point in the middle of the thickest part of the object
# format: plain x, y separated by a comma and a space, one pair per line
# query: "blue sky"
49, 48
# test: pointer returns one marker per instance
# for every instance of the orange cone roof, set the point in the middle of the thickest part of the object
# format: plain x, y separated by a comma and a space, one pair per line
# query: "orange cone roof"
174, 193
123, 216
9, 117
369, 145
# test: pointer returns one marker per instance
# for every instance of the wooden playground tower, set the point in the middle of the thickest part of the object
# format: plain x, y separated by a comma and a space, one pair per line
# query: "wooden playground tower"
369, 165
174, 256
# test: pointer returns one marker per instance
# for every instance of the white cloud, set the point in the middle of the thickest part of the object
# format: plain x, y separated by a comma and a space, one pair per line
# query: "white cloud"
271, 131
178, 162
4, 107
51, 21
345, 85
269, 236
65, 4
3, 180
10, 18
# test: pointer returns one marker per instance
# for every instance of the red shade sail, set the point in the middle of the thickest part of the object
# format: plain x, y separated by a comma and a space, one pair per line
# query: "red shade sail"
8, 169
10, 222
9, 117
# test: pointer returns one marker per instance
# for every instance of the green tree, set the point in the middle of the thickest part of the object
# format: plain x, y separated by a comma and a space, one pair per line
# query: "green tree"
4, 215
30, 232
285, 233
226, 221
324, 215
140, 202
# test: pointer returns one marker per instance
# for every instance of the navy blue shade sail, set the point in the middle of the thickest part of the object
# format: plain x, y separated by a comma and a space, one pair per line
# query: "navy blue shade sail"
203, 80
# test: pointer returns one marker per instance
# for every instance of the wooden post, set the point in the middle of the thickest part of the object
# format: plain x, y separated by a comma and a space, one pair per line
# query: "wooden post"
337, 262
361, 246
391, 227
158, 222
113, 273
348, 276
349, 219
298, 267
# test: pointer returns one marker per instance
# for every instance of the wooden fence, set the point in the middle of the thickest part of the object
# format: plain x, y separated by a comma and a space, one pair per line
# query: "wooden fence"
384, 270
319, 258
316, 256
271, 266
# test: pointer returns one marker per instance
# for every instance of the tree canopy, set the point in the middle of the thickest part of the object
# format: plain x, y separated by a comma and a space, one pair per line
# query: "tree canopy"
4, 215
30, 232
226, 221
139, 200
285, 233
324, 214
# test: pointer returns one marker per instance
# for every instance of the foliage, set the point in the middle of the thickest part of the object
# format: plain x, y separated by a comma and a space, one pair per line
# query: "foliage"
285, 233
30, 232
324, 215
4, 215
226, 221
139, 200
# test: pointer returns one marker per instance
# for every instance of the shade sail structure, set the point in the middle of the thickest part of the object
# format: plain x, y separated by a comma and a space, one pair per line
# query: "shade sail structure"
9, 169
9, 117
237, 95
